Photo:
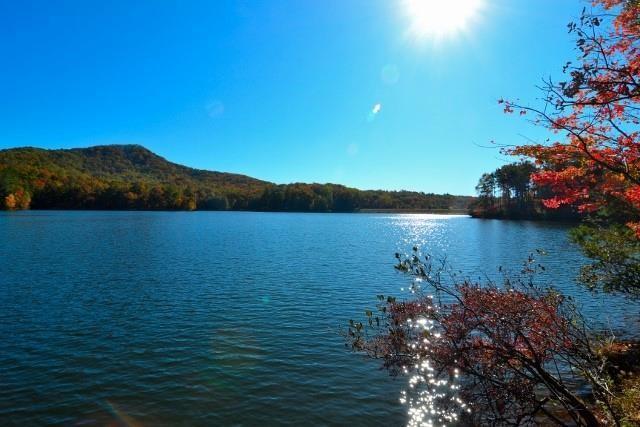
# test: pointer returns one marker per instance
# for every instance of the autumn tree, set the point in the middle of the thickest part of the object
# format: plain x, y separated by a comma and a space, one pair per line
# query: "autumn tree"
491, 353
595, 162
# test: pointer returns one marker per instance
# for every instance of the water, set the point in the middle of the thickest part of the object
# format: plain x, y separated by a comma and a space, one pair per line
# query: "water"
224, 318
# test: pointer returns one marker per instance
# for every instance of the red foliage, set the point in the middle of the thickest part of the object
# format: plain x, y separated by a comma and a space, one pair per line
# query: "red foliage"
508, 343
597, 110
487, 328
527, 326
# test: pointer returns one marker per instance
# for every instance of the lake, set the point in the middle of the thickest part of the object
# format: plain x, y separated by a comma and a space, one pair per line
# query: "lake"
225, 318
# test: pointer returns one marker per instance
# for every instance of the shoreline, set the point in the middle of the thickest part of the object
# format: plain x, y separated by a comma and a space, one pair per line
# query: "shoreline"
359, 211
417, 211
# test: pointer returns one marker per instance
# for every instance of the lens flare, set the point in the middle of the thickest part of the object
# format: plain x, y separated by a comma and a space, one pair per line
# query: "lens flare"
374, 112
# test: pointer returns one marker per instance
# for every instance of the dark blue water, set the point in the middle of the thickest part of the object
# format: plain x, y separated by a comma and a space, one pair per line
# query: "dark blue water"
205, 318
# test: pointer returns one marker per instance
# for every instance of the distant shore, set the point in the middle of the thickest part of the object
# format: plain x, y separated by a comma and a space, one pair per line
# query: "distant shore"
418, 211
547, 216
387, 211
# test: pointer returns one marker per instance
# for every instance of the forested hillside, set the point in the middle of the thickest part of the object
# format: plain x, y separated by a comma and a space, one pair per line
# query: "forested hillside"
132, 177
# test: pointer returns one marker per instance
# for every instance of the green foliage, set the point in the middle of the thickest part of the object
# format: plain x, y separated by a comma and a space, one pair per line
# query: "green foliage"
615, 251
627, 402
132, 177
508, 192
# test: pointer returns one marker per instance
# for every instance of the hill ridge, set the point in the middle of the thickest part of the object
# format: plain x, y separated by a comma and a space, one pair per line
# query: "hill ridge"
130, 176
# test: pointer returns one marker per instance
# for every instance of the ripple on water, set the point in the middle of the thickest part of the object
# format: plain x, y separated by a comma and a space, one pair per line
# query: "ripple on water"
156, 318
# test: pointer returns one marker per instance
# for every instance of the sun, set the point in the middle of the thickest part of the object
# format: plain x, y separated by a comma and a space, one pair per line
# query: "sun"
440, 18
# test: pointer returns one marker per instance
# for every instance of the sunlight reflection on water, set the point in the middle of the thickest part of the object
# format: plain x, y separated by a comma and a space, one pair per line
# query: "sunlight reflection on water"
422, 229
431, 397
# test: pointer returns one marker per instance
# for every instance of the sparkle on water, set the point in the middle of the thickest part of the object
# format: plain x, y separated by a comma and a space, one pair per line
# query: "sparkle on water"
431, 398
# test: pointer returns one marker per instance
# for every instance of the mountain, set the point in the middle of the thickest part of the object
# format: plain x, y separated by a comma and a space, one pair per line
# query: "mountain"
132, 177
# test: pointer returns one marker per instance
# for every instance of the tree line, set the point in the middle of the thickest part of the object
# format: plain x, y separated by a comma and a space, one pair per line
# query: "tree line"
130, 177
510, 192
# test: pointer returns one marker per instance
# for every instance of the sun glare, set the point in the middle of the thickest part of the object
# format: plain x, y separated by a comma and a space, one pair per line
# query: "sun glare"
440, 18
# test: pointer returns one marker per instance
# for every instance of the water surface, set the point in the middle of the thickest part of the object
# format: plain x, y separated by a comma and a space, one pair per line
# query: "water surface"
224, 318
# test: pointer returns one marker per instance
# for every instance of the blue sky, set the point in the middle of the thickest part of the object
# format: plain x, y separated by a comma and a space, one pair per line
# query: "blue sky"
280, 90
